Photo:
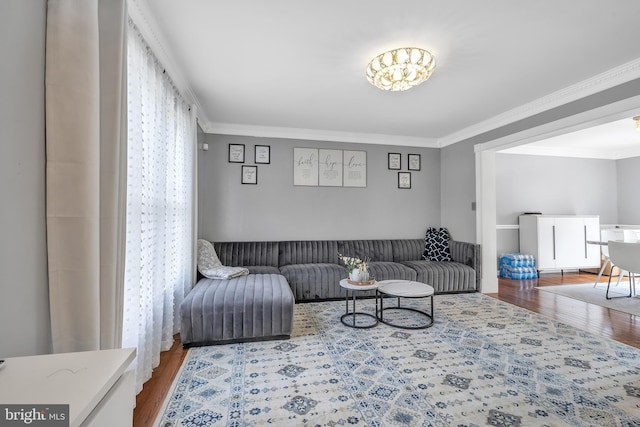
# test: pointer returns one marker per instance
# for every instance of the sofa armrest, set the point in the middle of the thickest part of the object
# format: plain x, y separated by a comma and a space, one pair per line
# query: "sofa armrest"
469, 254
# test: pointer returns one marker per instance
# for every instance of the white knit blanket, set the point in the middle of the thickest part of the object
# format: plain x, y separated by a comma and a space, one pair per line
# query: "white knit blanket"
209, 264
224, 272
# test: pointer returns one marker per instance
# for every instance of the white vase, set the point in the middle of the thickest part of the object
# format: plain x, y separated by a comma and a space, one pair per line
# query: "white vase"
355, 275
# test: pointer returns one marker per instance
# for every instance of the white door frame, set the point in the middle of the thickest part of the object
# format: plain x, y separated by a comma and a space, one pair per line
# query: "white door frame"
486, 177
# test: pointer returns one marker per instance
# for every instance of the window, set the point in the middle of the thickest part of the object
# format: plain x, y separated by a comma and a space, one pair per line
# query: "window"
160, 205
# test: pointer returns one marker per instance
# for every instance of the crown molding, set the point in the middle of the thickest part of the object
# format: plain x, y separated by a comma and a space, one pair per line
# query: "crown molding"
141, 15
606, 113
573, 152
606, 80
316, 135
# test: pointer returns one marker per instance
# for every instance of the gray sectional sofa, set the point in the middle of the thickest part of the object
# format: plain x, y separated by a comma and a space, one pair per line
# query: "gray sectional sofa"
221, 311
313, 270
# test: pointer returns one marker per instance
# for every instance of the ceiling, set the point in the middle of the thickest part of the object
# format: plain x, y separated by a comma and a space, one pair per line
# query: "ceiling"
296, 69
614, 140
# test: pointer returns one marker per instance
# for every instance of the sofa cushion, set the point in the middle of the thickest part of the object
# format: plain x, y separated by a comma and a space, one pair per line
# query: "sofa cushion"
245, 254
375, 250
447, 276
315, 281
384, 270
308, 252
263, 269
407, 249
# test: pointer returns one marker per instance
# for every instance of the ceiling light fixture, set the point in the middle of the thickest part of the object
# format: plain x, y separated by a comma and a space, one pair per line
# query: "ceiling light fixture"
401, 69
637, 120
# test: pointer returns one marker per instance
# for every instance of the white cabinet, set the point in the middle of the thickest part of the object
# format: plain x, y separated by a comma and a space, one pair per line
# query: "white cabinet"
95, 384
559, 242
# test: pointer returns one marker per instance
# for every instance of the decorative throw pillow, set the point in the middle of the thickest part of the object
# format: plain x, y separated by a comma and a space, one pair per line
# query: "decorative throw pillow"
207, 257
429, 239
437, 245
440, 250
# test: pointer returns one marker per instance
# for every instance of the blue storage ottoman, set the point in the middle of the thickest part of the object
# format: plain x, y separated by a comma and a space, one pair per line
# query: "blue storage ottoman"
518, 266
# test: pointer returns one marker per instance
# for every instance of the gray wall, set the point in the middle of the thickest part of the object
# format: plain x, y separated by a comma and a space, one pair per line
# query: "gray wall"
458, 163
275, 209
24, 305
628, 178
552, 185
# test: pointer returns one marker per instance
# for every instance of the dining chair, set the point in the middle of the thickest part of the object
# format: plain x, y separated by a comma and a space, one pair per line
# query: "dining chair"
626, 256
606, 236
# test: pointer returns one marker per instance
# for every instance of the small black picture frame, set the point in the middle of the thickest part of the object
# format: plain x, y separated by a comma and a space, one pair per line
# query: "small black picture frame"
404, 180
262, 154
394, 161
249, 174
414, 162
236, 153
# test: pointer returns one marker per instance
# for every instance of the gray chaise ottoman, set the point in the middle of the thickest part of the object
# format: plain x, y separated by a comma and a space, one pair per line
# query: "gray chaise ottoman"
247, 308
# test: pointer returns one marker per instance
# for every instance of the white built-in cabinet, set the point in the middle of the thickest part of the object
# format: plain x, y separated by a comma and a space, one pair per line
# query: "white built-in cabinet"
96, 385
559, 242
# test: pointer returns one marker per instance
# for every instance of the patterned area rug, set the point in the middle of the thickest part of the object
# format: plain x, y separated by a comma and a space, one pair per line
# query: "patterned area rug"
484, 362
587, 293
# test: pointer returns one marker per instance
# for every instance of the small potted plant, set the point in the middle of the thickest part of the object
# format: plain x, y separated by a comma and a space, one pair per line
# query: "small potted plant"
357, 269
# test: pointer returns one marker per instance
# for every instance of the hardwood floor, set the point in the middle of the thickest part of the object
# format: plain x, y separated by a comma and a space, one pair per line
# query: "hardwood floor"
150, 399
601, 321
598, 320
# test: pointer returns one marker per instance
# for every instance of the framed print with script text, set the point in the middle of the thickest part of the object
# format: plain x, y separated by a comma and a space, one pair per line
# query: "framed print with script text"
354, 165
414, 162
263, 154
305, 166
236, 153
394, 161
404, 180
330, 168
249, 174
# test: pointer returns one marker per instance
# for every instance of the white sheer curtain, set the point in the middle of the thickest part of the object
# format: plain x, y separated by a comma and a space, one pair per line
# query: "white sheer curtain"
160, 204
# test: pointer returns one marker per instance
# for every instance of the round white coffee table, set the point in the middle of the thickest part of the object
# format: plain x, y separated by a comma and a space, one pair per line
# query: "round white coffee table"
403, 289
351, 315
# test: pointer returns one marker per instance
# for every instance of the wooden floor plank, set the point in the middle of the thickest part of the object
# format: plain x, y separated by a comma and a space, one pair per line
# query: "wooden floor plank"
149, 401
599, 320
606, 322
